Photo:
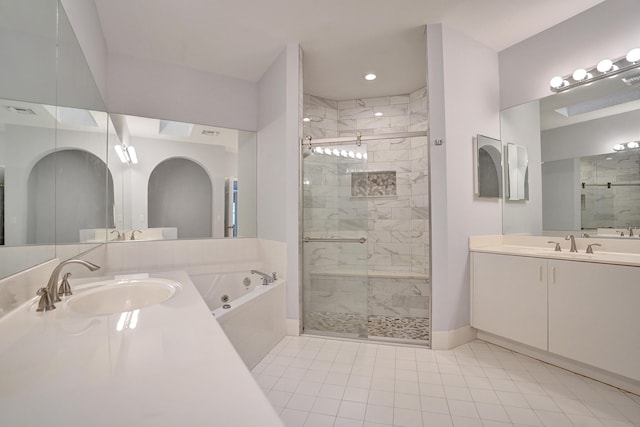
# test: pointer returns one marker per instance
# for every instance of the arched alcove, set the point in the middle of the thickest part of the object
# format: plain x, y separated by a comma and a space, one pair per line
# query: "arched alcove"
180, 195
81, 196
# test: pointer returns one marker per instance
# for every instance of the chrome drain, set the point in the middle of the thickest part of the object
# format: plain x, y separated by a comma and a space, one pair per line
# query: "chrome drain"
246, 281
224, 298
226, 306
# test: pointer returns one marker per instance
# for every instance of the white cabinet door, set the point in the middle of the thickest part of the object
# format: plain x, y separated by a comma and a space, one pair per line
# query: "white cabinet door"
594, 315
510, 297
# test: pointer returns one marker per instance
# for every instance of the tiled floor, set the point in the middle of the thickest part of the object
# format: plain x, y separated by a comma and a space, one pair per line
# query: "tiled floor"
323, 382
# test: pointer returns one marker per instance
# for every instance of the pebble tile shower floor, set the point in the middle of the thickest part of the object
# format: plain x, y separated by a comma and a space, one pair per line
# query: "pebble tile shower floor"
315, 382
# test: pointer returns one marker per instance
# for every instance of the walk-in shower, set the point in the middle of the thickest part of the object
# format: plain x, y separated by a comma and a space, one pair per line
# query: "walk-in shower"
365, 221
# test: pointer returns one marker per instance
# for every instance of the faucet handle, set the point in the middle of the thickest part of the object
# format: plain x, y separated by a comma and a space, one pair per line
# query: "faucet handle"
557, 247
64, 288
45, 303
590, 249
274, 275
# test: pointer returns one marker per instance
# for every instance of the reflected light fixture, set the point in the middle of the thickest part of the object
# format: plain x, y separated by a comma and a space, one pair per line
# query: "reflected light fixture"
605, 68
627, 146
126, 153
378, 114
370, 76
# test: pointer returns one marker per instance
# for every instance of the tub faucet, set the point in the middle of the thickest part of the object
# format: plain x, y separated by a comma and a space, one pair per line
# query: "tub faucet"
49, 295
573, 243
119, 236
266, 278
133, 234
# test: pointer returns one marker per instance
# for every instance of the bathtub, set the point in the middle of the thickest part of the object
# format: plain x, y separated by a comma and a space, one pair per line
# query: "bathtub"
252, 315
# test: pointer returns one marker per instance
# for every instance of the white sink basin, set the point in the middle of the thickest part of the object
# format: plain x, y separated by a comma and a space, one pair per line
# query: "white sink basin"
114, 296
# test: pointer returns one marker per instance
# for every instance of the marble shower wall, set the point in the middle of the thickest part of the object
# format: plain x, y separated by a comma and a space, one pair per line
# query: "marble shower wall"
618, 206
397, 226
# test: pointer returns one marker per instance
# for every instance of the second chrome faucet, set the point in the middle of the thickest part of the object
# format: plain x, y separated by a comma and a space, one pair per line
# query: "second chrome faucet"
572, 238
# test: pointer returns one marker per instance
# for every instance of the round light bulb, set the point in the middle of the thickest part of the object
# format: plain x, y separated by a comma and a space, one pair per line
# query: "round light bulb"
633, 55
579, 74
605, 65
618, 147
633, 144
306, 119
352, 154
344, 153
358, 156
336, 152
556, 82
370, 76
378, 114
364, 156
318, 150
327, 151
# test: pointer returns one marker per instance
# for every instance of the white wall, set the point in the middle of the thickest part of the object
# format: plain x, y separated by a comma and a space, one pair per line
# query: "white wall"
152, 89
521, 125
608, 30
278, 141
461, 105
85, 22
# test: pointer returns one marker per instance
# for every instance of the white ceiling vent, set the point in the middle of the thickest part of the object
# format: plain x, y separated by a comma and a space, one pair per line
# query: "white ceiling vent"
20, 110
207, 132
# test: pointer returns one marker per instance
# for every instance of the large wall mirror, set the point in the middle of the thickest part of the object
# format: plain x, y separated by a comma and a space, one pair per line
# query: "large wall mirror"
53, 136
585, 173
175, 180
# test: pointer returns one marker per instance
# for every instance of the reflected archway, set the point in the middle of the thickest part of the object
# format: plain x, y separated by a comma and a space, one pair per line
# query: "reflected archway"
180, 195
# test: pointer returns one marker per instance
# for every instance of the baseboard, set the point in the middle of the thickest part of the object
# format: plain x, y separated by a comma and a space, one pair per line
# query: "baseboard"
592, 372
446, 340
293, 327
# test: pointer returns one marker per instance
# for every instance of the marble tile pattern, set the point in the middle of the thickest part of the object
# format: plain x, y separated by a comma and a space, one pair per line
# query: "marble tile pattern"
330, 383
618, 206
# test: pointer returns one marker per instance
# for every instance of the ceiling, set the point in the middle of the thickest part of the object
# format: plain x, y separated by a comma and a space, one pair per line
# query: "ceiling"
342, 40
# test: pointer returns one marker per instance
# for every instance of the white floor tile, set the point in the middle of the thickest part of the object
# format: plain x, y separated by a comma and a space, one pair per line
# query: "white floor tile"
434, 404
301, 402
352, 410
461, 408
314, 382
379, 414
407, 418
326, 406
319, 420
431, 419
293, 418
356, 394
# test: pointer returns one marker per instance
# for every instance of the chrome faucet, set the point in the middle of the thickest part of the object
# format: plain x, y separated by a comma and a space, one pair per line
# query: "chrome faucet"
266, 278
630, 231
119, 236
49, 295
573, 243
133, 234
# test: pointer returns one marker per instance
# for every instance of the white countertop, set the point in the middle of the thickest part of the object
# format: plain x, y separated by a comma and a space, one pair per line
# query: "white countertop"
176, 368
537, 247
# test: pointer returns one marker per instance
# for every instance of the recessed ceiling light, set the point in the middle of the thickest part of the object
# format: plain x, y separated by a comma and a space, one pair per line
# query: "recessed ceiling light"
378, 114
370, 76
20, 110
306, 119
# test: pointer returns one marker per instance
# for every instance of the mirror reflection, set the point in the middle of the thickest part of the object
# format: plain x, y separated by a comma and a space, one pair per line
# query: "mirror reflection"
590, 159
517, 172
175, 180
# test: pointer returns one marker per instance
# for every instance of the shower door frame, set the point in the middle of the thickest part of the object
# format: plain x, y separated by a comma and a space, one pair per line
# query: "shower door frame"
307, 143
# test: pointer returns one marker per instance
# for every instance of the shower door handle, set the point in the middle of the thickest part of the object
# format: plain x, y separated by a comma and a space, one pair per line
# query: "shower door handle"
311, 240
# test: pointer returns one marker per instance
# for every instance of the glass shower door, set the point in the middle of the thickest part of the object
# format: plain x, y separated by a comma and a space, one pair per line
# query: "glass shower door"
334, 254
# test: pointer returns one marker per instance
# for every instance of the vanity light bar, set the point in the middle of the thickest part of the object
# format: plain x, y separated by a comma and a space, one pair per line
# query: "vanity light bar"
126, 153
628, 146
605, 68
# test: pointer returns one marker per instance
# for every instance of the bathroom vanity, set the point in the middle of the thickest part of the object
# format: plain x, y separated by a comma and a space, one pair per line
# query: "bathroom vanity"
576, 310
167, 364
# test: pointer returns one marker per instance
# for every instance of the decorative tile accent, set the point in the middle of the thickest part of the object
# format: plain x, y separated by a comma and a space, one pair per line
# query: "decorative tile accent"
398, 327
373, 184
